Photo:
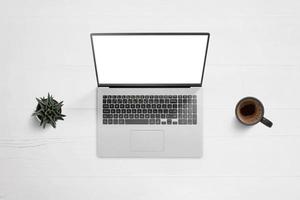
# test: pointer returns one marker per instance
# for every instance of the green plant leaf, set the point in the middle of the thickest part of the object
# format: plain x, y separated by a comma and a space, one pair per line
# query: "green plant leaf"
53, 124
44, 124
59, 118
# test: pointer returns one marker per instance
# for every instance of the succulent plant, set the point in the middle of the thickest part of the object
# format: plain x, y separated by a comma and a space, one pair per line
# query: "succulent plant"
48, 111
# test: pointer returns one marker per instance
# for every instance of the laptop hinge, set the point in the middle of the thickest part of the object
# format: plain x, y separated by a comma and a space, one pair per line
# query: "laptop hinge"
149, 85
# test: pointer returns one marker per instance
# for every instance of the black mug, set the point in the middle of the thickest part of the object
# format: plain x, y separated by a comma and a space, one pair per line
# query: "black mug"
249, 111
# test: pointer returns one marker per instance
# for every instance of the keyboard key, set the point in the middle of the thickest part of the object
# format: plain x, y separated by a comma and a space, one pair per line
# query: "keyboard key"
171, 116
136, 121
169, 121
152, 121
194, 120
106, 111
105, 115
104, 121
173, 111
157, 121
195, 108
182, 121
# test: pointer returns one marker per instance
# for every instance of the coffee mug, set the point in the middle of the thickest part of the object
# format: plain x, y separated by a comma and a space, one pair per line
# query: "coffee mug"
249, 111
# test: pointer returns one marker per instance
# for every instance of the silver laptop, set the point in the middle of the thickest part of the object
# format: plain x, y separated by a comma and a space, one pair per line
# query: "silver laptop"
149, 94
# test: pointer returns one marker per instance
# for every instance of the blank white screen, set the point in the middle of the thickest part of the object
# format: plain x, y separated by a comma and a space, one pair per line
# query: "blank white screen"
149, 59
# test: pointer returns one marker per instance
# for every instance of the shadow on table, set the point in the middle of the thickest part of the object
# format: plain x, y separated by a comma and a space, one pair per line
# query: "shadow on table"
242, 129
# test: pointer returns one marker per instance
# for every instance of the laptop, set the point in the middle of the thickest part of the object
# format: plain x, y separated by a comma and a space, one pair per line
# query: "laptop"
149, 94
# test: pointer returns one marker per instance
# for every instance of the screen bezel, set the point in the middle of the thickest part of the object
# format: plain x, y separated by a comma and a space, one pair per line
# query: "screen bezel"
156, 84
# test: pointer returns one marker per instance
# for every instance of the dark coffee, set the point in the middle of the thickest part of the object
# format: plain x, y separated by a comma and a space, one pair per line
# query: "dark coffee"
250, 111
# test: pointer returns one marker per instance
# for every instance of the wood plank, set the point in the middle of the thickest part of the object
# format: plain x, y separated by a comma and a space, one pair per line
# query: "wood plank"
152, 9
235, 40
223, 156
189, 188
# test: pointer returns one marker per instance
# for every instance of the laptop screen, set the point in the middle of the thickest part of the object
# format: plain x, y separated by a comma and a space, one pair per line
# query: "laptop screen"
150, 59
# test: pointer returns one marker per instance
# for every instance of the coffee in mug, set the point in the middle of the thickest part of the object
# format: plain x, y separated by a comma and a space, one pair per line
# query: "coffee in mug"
249, 111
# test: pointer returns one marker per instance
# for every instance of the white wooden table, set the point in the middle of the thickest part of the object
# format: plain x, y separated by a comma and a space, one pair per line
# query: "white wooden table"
254, 50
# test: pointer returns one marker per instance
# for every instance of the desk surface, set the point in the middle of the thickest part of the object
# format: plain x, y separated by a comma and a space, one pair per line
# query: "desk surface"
254, 50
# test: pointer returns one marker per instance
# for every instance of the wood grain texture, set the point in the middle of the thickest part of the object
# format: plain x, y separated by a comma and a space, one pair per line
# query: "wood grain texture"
254, 51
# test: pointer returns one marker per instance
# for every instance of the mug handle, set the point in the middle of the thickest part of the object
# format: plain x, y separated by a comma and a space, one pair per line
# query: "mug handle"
266, 122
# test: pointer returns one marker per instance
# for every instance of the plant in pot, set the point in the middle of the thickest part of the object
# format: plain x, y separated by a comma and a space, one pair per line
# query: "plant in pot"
48, 111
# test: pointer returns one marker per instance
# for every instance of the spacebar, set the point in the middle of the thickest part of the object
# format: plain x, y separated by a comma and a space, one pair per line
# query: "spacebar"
136, 121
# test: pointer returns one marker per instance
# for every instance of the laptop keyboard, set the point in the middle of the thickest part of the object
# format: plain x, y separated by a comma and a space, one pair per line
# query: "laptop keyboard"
149, 109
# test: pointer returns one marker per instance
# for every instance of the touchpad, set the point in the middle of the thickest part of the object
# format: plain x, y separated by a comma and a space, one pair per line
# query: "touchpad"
147, 140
